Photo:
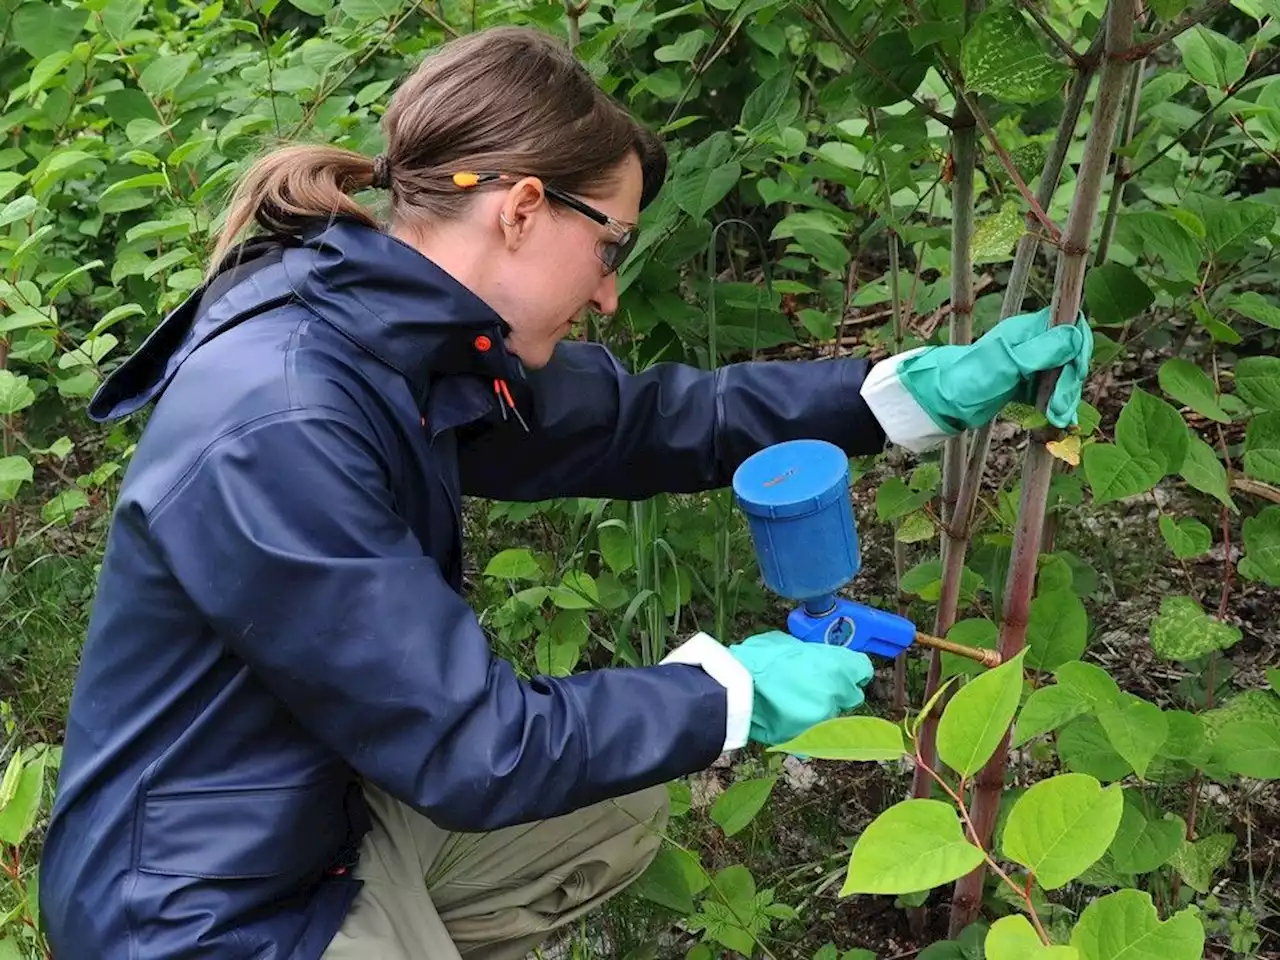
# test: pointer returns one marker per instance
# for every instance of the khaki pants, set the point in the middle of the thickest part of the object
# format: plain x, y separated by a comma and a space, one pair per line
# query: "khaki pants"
434, 895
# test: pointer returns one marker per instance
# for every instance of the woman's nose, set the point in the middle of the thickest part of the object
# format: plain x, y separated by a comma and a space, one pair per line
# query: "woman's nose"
605, 299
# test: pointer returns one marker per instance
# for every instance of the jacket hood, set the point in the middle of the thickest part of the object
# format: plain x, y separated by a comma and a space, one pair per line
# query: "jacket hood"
382, 294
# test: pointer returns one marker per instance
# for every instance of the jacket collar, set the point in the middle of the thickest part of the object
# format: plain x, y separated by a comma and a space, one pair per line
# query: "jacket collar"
382, 294
400, 306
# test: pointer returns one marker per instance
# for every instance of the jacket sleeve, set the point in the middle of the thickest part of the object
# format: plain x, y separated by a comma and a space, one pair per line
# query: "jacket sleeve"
286, 539
598, 430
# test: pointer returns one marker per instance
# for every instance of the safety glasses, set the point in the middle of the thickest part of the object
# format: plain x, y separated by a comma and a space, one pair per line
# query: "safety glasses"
612, 253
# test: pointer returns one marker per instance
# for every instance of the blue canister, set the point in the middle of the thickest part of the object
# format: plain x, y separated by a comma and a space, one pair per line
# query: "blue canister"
795, 495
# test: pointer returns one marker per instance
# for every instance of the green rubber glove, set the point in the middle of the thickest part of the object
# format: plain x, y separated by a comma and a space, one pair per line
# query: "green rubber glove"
964, 387
799, 684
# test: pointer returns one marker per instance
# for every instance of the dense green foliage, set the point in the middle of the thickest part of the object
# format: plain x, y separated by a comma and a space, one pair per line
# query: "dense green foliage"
826, 172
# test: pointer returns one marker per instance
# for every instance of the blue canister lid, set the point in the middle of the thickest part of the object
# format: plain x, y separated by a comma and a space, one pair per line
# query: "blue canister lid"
792, 478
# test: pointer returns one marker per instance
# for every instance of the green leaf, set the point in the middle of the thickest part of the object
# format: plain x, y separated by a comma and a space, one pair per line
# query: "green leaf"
915, 528
1261, 561
766, 101
577, 590
559, 647
1197, 862
1114, 294
894, 499
1249, 748
63, 507
1013, 938
1273, 678
914, 845
896, 70
1048, 708
1061, 826
1083, 747
15, 395
1262, 447
18, 209
1002, 56
1203, 470
1142, 845
738, 806
995, 237
1233, 225
1089, 682
516, 563
1186, 537
976, 719
698, 192
1211, 58
1136, 728
848, 738
672, 879
1114, 473
317, 8
1256, 307
1167, 239
617, 546
121, 16
42, 28
1151, 429
1191, 386
163, 74
1125, 926
1183, 631
371, 9
1258, 381
1056, 630
19, 815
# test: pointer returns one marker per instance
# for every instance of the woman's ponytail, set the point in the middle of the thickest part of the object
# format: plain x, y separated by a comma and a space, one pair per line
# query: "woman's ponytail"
295, 186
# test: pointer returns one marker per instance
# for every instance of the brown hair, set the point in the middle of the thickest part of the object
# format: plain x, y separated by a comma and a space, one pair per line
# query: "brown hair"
509, 99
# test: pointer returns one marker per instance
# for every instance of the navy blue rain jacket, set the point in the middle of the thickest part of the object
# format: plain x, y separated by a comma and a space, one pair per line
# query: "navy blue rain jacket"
279, 611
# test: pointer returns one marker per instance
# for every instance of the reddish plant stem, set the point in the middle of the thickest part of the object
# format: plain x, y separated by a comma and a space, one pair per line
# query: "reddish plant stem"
1068, 290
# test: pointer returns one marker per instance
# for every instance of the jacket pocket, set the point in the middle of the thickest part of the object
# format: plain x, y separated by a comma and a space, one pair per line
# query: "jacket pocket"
242, 834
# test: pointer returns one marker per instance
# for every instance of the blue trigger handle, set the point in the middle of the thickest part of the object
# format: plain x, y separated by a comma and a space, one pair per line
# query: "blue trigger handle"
839, 622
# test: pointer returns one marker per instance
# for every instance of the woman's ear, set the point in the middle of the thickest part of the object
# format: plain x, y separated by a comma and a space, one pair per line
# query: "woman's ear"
517, 213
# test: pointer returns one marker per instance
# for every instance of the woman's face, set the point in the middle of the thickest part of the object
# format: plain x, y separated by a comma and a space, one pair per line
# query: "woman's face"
548, 272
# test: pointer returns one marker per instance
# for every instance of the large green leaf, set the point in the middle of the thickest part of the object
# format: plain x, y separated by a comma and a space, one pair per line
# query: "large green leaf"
42, 28
1262, 447
1136, 728
1249, 748
977, 717
1257, 307
18, 816
1150, 428
738, 806
1125, 926
1203, 470
1213, 59
1188, 384
1056, 630
1183, 631
1114, 473
1143, 844
1048, 708
1114, 293
1013, 938
1262, 547
914, 845
1061, 826
848, 738
14, 472
1004, 57
1197, 862
1186, 537
698, 192
892, 69
1258, 381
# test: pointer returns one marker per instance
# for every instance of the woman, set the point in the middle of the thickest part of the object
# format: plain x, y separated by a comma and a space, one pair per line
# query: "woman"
289, 737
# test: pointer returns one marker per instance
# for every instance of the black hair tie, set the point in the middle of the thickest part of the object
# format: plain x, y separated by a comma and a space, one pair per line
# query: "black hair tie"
381, 172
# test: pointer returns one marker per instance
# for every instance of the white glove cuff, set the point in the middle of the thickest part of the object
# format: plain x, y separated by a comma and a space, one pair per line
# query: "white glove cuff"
703, 650
904, 421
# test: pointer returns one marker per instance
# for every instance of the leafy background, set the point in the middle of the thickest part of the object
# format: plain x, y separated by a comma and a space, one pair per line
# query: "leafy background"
845, 173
